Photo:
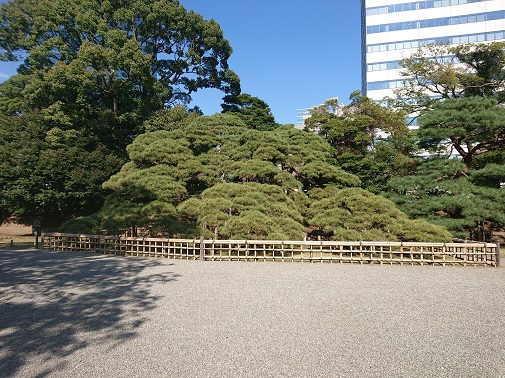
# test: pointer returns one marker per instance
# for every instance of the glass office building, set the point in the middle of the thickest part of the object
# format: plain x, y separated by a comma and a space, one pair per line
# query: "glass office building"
394, 29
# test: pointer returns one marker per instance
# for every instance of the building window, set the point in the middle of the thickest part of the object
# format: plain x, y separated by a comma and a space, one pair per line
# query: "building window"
395, 65
453, 40
405, 7
387, 84
435, 22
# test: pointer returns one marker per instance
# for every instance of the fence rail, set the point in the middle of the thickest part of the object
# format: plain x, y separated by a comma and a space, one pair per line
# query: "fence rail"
483, 254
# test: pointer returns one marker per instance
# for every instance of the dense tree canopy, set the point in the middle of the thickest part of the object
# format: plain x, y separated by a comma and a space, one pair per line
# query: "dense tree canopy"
171, 118
52, 172
356, 214
95, 128
107, 66
246, 210
443, 71
459, 92
470, 125
370, 140
253, 111
218, 178
94, 75
125, 44
172, 166
471, 206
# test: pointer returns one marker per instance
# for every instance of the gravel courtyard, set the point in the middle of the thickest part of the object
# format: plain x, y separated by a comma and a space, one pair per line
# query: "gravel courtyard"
82, 315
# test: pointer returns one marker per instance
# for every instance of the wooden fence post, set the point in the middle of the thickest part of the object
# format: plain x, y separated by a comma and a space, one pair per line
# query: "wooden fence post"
202, 249
497, 253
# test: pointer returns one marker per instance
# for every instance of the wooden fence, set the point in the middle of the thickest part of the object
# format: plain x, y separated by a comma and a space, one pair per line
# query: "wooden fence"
483, 254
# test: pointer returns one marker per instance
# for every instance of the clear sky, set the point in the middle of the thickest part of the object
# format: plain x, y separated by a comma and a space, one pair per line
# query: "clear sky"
292, 54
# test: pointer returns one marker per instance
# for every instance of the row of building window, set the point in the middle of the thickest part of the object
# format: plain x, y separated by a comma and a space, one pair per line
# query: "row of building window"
451, 40
436, 22
416, 6
384, 66
387, 84
395, 65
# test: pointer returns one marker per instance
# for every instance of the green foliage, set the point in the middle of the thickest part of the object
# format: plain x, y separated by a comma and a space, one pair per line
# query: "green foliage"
492, 175
474, 70
170, 119
491, 157
470, 125
439, 195
106, 67
218, 178
81, 225
50, 172
93, 74
486, 76
246, 211
320, 175
253, 170
176, 167
371, 141
349, 129
11, 100
355, 214
119, 42
255, 113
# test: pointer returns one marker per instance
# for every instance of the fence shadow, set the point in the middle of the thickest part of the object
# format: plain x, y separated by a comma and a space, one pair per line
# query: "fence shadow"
49, 300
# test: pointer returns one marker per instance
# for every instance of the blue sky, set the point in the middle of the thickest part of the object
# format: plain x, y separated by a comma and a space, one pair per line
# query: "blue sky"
291, 54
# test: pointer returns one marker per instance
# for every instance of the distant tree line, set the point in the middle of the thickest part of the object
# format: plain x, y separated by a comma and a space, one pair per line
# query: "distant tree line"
96, 136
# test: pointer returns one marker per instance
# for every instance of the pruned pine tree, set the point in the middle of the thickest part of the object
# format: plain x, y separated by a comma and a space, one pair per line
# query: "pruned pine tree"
471, 126
219, 178
470, 206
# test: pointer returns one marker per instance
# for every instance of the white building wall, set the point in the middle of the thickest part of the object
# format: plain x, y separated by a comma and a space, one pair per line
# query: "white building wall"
418, 34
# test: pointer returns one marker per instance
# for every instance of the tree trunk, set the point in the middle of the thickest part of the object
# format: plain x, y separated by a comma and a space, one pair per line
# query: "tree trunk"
467, 159
115, 105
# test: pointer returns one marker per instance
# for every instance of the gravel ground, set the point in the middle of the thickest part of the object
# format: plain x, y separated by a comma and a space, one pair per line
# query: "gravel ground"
82, 315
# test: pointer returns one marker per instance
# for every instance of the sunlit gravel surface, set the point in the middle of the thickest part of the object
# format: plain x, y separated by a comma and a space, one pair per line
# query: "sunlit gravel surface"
82, 315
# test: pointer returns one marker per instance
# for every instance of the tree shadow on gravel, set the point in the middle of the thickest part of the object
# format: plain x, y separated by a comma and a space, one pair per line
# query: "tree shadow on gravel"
53, 304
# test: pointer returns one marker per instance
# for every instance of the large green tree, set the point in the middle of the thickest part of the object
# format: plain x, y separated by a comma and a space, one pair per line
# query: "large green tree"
470, 125
168, 167
94, 75
370, 140
469, 206
219, 178
444, 71
108, 65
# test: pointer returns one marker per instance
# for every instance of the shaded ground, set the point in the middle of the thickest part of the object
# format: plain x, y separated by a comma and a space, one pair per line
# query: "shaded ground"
81, 315
52, 305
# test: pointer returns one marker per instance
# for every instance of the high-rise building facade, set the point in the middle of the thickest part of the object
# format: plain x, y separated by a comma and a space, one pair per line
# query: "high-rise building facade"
395, 29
